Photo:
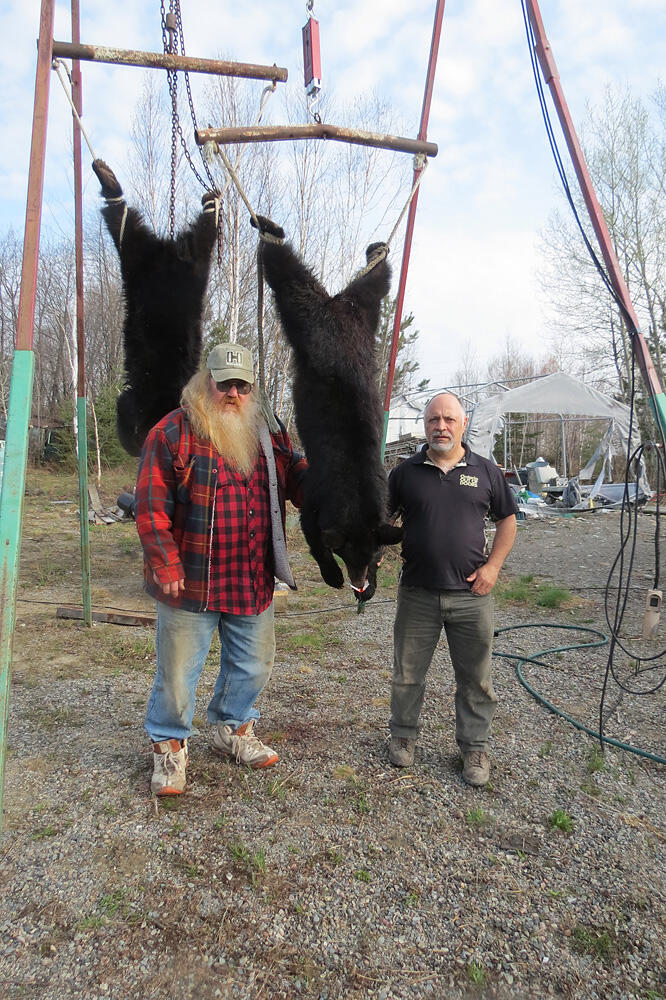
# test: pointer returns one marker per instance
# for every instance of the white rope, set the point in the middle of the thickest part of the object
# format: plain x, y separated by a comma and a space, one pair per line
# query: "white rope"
381, 255
212, 149
409, 200
56, 64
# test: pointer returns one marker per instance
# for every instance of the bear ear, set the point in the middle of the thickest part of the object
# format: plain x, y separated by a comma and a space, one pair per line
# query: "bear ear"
332, 538
389, 534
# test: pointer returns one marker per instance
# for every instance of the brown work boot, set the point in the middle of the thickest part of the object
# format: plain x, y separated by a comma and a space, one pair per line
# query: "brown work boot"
476, 768
401, 751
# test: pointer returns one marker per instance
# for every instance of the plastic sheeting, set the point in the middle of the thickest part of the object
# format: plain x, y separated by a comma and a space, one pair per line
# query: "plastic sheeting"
561, 394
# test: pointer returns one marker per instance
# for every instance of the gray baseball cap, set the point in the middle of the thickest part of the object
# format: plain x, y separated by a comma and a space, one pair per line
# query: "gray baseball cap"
230, 361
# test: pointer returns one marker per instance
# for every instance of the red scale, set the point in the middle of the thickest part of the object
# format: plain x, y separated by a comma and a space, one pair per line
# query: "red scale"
311, 57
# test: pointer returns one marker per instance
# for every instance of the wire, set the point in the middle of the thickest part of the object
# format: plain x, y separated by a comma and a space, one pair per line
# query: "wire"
628, 513
601, 640
563, 177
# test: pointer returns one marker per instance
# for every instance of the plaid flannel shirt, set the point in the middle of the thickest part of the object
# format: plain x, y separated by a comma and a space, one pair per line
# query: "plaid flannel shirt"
176, 518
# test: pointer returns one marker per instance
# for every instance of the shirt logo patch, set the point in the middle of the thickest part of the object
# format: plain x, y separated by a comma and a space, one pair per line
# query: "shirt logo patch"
469, 480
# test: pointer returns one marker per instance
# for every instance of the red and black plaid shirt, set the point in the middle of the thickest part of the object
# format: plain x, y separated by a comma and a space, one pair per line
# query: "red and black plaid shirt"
194, 521
241, 566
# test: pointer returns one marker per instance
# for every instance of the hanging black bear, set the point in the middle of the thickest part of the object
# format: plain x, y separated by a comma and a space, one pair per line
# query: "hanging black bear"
337, 407
164, 283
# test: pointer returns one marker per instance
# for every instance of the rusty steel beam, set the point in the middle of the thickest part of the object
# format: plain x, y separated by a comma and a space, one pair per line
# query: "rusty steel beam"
162, 60
277, 133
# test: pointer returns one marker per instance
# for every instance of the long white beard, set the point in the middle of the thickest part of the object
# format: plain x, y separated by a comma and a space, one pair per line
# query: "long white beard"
234, 432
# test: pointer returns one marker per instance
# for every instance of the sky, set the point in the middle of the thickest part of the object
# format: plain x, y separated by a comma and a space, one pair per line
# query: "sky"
485, 198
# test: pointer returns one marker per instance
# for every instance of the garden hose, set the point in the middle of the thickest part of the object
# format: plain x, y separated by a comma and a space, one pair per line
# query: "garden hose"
601, 640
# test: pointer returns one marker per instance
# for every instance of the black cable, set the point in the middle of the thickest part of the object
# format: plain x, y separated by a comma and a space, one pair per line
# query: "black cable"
559, 164
636, 458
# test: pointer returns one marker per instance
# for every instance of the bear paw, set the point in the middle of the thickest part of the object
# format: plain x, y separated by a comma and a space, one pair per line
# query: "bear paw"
376, 250
267, 226
208, 200
105, 175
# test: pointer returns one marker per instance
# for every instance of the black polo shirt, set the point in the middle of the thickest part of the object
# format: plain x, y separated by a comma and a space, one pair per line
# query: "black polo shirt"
443, 517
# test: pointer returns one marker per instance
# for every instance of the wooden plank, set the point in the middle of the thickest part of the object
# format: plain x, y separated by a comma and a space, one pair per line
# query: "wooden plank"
277, 133
111, 617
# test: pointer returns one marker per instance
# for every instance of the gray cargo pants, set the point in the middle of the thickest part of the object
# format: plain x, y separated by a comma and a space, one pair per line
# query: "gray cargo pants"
468, 622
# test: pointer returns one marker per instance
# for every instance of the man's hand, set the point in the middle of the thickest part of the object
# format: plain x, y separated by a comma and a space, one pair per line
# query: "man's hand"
483, 579
170, 589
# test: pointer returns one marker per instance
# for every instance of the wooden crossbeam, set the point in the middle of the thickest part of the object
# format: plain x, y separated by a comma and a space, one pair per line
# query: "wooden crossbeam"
165, 60
277, 133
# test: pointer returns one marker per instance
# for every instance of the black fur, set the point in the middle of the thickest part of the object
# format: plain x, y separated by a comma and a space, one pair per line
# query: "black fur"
164, 283
338, 410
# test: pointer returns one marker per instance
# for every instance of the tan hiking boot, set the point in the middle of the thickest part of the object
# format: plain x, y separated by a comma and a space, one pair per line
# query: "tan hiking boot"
401, 751
242, 745
476, 768
169, 762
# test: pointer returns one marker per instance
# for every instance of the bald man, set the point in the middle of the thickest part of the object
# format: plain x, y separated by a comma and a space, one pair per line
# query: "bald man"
443, 495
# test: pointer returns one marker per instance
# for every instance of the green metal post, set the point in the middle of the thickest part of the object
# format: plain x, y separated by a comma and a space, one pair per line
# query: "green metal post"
11, 517
20, 390
81, 413
82, 424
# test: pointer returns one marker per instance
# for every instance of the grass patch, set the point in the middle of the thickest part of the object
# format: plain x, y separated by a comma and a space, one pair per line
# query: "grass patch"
526, 590
477, 817
600, 944
313, 640
476, 973
595, 760
561, 820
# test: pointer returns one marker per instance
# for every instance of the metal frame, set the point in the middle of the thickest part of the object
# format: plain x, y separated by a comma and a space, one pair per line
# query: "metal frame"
22, 374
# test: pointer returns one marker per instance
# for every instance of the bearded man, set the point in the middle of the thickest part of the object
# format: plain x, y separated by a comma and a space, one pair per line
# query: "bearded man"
210, 511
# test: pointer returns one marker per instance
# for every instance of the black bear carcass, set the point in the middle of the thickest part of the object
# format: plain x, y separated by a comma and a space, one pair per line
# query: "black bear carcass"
337, 409
164, 284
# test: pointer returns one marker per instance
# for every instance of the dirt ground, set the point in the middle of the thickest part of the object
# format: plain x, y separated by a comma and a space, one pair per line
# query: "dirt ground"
108, 894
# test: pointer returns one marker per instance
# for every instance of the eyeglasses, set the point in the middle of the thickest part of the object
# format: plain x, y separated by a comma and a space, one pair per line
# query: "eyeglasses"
242, 387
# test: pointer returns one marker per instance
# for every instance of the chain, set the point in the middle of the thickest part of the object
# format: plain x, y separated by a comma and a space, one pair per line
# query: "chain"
168, 42
174, 42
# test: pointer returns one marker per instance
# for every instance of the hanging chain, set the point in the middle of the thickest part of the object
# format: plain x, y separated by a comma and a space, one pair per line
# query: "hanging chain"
174, 43
169, 46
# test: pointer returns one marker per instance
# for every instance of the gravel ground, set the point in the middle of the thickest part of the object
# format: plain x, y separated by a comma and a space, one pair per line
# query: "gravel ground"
334, 875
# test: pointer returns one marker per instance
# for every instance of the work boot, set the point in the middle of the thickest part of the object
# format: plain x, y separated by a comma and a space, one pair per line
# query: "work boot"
169, 762
476, 768
401, 751
242, 745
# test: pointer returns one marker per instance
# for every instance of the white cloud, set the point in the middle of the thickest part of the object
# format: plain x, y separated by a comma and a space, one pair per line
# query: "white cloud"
486, 195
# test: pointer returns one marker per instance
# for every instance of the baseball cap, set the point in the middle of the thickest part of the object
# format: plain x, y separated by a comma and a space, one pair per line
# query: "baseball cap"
230, 361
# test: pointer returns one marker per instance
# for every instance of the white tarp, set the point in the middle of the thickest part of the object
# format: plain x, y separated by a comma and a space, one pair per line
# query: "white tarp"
406, 416
561, 394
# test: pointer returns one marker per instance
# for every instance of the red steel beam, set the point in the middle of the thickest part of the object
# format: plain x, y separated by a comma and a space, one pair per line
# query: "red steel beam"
552, 78
411, 215
78, 204
33, 212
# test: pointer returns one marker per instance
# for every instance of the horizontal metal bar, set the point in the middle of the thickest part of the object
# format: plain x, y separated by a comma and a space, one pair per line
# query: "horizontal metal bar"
112, 617
277, 133
162, 60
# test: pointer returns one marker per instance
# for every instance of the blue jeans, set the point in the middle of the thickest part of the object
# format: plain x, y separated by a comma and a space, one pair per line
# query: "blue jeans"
183, 639
468, 621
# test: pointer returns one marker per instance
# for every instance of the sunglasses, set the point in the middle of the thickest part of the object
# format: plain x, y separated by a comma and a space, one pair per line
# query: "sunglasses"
242, 387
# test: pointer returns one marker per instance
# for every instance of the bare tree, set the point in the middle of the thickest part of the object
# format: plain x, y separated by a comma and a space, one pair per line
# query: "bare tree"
625, 150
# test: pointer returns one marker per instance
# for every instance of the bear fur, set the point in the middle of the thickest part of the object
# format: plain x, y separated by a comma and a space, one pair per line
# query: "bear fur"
337, 409
164, 283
